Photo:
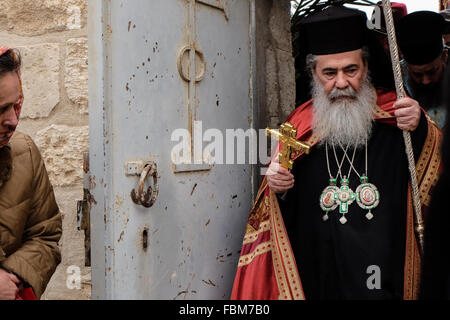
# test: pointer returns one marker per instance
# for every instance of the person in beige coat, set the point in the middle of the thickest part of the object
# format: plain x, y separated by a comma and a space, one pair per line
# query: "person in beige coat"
30, 221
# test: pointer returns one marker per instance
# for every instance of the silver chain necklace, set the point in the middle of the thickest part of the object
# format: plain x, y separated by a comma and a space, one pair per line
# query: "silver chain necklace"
366, 195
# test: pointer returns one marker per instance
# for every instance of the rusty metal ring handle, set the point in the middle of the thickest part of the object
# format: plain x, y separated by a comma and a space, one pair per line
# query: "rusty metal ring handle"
183, 73
144, 175
143, 197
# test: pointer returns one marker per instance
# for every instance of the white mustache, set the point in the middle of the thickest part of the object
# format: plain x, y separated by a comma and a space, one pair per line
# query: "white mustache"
339, 93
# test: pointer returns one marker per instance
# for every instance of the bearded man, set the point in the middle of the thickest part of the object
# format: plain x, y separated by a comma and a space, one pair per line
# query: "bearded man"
340, 226
30, 221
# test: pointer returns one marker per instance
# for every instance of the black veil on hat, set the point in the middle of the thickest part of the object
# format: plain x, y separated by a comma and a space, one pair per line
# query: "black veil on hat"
420, 36
334, 30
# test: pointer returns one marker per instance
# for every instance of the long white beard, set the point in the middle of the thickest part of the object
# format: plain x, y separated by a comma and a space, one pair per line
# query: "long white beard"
344, 121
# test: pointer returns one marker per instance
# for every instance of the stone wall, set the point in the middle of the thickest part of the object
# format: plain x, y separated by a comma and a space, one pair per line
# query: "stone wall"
275, 63
52, 38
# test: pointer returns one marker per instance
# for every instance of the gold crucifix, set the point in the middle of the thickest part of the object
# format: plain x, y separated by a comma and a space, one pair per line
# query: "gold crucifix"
287, 135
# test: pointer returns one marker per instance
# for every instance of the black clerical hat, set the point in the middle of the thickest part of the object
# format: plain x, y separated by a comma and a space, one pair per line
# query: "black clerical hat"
420, 36
335, 29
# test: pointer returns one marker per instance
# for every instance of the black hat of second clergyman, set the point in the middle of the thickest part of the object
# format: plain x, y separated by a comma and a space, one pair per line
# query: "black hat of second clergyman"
419, 36
335, 29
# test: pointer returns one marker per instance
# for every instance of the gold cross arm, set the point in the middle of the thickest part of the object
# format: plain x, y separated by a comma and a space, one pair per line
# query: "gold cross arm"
287, 135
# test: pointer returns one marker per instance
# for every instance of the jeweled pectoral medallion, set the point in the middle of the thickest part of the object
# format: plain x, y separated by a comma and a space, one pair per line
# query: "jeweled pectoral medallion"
367, 196
344, 197
327, 200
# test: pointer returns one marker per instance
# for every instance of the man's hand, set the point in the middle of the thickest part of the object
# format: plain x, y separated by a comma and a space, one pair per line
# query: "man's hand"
8, 285
279, 179
407, 113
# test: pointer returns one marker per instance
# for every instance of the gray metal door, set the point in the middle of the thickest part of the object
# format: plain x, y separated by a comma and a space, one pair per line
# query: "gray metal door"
158, 67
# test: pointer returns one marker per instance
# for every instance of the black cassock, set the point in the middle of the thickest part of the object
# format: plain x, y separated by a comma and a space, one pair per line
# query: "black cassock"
335, 260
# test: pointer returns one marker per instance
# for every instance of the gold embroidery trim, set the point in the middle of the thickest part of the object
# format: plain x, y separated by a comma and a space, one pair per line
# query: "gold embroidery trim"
412, 257
430, 177
252, 237
260, 249
380, 113
280, 276
291, 287
426, 151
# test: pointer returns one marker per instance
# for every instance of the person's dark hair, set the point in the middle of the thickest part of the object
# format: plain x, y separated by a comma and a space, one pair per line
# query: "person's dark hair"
10, 61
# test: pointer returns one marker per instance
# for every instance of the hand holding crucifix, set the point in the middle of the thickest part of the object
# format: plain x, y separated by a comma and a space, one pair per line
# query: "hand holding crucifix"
279, 178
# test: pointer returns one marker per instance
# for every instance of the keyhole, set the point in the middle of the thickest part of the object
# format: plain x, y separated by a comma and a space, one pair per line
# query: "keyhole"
145, 239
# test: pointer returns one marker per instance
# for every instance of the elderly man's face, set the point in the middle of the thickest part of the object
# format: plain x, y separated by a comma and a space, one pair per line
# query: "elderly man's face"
340, 70
10, 95
431, 73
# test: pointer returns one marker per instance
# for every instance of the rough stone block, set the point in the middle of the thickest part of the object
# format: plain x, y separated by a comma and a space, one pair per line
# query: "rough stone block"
272, 83
62, 148
58, 288
286, 74
31, 17
40, 76
3, 21
76, 72
280, 25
